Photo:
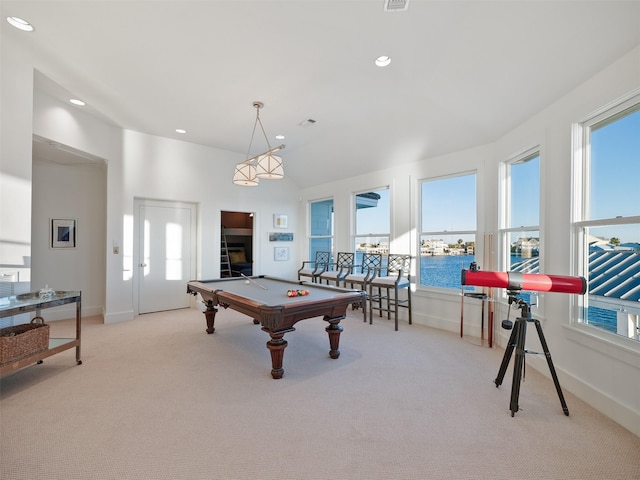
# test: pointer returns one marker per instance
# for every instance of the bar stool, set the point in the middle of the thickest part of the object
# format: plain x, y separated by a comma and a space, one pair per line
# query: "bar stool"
362, 275
336, 272
313, 268
384, 290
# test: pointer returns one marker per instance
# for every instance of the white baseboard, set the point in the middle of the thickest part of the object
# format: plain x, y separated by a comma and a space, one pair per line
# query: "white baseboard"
118, 317
599, 400
619, 413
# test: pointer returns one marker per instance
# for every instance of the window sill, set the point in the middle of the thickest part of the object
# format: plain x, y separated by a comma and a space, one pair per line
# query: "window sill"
614, 346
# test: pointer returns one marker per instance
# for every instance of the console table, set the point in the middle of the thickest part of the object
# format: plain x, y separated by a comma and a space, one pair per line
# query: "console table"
32, 302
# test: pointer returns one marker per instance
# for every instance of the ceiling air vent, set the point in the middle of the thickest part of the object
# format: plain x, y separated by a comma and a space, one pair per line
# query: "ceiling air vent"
396, 5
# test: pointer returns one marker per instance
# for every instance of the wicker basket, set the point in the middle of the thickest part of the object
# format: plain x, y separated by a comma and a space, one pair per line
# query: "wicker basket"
20, 341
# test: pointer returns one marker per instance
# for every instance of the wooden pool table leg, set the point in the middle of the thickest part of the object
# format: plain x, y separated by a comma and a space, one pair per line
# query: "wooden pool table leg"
210, 315
276, 346
334, 330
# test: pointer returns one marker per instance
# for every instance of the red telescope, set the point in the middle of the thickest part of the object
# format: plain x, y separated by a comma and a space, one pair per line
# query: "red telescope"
525, 281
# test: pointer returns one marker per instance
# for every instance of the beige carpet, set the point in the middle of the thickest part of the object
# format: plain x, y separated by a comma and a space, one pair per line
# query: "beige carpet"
158, 398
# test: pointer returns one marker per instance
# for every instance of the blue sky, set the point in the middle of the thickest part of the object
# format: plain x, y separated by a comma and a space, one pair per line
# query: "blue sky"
375, 220
525, 198
615, 171
449, 204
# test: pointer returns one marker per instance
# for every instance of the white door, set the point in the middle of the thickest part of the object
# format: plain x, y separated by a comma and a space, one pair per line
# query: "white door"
166, 253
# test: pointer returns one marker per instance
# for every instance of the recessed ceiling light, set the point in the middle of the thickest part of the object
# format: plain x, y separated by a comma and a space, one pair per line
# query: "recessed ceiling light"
383, 61
180, 130
280, 137
20, 23
75, 101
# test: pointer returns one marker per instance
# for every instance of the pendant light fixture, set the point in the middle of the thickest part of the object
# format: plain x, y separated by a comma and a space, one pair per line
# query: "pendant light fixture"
266, 165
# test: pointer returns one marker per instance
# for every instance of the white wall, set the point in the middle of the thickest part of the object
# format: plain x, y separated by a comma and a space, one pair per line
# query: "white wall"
71, 126
16, 89
160, 168
73, 192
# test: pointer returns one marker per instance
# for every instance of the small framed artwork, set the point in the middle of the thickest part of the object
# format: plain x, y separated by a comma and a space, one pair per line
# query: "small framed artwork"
280, 237
63, 233
280, 221
280, 254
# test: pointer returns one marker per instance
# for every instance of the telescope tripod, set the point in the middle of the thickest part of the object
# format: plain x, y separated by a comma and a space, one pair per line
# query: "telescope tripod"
517, 342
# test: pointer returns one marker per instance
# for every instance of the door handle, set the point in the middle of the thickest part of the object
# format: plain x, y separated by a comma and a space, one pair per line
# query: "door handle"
143, 264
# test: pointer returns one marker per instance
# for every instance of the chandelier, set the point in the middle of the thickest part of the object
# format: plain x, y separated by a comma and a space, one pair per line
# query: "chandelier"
266, 165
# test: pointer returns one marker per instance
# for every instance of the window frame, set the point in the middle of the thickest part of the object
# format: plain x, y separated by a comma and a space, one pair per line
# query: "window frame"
581, 180
310, 236
506, 229
454, 233
354, 211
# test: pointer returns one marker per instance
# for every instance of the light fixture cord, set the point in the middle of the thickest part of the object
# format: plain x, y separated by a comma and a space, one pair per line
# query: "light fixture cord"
252, 135
262, 128
254, 132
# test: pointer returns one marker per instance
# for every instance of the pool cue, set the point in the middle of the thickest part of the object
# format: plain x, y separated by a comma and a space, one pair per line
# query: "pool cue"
253, 281
484, 265
490, 306
462, 308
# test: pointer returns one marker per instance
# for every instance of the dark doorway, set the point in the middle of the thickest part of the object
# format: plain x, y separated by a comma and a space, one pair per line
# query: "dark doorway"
236, 255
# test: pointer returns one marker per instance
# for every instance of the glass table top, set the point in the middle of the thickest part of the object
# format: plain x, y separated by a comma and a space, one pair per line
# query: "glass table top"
26, 302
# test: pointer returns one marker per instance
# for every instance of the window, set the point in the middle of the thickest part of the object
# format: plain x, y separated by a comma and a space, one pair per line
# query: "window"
520, 234
321, 227
372, 223
606, 223
448, 229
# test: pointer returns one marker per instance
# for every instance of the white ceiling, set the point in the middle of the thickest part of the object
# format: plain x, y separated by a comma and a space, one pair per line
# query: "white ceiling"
463, 73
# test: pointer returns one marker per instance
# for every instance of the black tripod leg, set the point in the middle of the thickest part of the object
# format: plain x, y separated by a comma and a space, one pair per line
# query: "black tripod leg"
547, 354
507, 356
521, 325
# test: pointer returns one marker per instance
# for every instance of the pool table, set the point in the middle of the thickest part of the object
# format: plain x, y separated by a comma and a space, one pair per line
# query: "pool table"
265, 299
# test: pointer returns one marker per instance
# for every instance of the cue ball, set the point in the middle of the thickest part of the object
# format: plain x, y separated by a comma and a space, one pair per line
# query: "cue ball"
247, 282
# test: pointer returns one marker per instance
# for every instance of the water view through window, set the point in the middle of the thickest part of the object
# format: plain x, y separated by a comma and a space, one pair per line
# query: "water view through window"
607, 227
448, 229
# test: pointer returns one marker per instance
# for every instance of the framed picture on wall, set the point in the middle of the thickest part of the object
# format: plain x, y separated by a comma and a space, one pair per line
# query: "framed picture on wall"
280, 221
63, 233
281, 254
280, 237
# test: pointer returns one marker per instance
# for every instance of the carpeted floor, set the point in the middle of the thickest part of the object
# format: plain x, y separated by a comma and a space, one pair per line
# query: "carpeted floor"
157, 398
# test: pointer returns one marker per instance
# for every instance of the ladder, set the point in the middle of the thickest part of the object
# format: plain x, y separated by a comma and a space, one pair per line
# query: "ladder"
225, 264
